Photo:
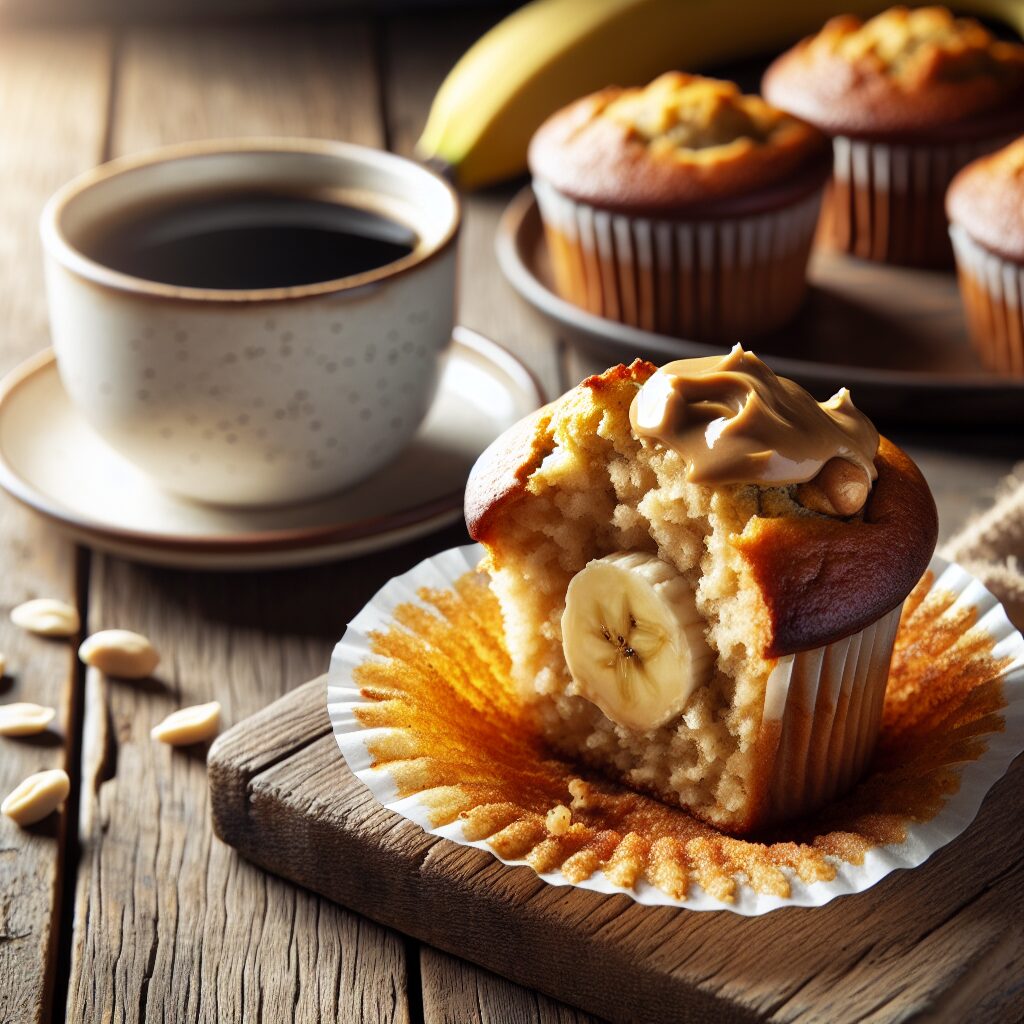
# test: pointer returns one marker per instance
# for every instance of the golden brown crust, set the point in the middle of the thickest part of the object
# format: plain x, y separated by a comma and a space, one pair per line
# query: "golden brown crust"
822, 578
987, 200
498, 479
684, 144
903, 73
638, 371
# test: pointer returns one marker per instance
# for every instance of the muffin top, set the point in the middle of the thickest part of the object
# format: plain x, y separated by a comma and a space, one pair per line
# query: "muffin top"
681, 142
902, 72
823, 572
987, 200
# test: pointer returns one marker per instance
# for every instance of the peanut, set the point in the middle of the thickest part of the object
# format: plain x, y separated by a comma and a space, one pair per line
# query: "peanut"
24, 719
839, 489
189, 725
37, 797
121, 653
47, 617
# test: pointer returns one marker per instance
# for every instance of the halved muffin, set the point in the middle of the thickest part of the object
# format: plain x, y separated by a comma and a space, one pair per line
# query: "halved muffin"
701, 571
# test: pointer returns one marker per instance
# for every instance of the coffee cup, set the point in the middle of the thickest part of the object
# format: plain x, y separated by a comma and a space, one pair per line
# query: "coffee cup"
253, 395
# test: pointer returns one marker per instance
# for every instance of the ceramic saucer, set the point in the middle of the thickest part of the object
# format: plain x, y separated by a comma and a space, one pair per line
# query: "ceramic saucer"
53, 462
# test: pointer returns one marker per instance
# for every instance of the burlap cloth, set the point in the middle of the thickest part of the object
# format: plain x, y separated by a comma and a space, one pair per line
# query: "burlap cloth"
991, 546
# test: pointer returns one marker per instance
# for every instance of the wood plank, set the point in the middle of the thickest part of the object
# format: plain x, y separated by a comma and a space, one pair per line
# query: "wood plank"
455, 991
315, 79
927, 942
419, 51
177, 925
53, 98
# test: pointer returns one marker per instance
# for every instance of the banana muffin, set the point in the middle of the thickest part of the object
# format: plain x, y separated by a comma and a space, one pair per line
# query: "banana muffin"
683, 207
985, 204
701, 571
909, 97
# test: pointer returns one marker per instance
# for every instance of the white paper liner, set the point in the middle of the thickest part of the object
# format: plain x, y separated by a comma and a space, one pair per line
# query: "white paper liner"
695, 279
829, 704
992, 289
923, 838
888, 200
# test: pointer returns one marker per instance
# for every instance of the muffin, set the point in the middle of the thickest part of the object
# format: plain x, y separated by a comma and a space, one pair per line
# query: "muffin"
985, 204
683, 207
909, 97
701, 571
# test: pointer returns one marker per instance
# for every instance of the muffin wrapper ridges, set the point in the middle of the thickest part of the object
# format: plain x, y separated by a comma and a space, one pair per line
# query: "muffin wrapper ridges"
992, 289
721, 280
800, 693
827, 704
887, 202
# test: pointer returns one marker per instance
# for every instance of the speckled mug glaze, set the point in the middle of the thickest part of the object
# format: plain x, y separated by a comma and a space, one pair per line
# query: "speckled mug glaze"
255, 397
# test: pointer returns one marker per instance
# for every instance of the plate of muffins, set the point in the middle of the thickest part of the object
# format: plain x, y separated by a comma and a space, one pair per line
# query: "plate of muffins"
861, 221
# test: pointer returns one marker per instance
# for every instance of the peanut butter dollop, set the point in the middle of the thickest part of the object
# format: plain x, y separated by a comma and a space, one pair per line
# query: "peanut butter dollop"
735, 422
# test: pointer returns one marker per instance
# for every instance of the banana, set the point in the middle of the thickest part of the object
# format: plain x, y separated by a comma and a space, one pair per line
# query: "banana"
633, 639
550, 52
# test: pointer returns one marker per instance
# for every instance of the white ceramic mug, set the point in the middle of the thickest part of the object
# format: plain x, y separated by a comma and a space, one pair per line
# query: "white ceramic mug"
251, 397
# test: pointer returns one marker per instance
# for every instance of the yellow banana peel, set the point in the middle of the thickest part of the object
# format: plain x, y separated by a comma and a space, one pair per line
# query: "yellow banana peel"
550, 52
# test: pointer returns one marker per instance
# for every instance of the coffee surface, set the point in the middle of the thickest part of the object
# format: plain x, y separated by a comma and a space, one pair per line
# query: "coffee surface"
247, 241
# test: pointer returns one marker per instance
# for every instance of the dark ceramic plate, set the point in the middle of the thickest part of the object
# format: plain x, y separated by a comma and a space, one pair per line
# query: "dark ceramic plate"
895, 337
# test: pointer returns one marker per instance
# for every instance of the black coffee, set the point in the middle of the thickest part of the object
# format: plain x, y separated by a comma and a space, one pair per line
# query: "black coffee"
248, 240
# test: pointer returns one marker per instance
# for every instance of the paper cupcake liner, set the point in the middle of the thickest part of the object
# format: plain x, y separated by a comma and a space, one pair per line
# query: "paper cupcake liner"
956, 631
714, 280
887, 202
992, 289
826, 706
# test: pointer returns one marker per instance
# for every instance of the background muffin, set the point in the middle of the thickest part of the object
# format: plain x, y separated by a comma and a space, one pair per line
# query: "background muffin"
777, 704
683, 207
985, 204
909, 96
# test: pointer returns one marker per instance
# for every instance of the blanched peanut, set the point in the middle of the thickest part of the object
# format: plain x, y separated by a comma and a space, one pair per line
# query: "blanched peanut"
24, 719
37, 797
839, 489
121, 653
47, 617
189, 725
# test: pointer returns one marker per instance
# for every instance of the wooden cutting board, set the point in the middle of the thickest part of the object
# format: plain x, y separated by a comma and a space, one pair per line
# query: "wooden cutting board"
942, 942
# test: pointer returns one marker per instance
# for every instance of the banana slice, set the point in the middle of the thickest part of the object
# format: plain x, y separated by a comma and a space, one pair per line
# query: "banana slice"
633, 639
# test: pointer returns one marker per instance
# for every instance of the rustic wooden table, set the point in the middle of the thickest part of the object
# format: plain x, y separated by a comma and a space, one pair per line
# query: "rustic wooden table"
125, 907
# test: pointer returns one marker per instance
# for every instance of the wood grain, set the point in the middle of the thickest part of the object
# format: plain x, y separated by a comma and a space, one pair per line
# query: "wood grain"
210, 937
455, 992
933, 941
177, 84
53, 94
178, 927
